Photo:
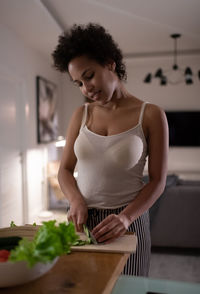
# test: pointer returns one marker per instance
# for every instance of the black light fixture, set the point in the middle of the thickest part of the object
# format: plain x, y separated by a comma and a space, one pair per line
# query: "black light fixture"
148, 78
188, 75
164, 75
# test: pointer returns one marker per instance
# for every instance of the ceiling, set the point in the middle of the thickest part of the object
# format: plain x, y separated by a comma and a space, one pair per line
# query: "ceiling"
141, 27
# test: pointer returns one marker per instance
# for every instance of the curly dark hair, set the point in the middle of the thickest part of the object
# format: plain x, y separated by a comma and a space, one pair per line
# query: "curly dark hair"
91, 40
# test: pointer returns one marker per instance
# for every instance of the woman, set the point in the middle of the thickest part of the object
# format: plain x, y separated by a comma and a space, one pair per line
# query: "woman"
109, 140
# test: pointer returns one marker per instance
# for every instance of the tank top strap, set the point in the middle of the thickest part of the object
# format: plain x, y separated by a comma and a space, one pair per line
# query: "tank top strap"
85, 112
142, 112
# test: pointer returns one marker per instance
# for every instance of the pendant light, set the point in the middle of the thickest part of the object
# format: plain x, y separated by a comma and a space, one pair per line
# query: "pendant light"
175, 75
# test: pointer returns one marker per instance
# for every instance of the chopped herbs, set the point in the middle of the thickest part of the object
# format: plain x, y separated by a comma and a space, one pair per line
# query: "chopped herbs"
80, 242
12, 224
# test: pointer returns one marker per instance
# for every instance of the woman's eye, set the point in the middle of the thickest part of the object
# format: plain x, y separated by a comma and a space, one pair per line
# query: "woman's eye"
89, 76
78, 84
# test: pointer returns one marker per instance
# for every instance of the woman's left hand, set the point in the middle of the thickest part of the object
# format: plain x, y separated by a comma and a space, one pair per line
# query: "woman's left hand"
112, 227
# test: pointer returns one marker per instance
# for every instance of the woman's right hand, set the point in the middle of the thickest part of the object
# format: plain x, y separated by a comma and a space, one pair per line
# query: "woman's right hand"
78, 214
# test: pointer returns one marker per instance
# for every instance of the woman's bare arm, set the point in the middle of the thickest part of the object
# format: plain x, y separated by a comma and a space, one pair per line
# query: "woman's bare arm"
157, 164
78, 209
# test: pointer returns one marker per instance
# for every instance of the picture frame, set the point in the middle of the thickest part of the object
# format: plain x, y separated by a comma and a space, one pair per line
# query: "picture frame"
47, 120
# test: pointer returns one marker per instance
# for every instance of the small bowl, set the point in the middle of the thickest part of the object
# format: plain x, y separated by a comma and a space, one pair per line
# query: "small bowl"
13, 274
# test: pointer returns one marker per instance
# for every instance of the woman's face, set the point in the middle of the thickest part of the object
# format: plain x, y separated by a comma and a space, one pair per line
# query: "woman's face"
95, 81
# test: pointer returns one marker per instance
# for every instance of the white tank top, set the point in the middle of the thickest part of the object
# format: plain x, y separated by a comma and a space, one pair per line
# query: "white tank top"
110, 168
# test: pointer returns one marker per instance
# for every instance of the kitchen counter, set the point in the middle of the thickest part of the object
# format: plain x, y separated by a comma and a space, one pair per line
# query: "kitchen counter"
77, 273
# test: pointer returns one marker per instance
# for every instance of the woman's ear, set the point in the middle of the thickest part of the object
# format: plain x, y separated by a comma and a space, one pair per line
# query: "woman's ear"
112, 65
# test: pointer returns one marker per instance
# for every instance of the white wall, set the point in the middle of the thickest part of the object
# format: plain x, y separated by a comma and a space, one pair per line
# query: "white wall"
24, 63
170, 97
71, 99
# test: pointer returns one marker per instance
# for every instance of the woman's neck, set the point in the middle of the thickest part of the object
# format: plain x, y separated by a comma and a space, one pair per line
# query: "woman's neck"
119, 98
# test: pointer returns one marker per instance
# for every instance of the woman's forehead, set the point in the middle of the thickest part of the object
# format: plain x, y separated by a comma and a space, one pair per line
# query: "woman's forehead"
80, 64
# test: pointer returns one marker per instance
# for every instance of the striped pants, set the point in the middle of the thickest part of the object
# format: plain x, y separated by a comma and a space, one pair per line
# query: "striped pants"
138, 262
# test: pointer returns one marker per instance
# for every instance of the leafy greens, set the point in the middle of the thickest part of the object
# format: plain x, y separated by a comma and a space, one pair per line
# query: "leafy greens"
50, 241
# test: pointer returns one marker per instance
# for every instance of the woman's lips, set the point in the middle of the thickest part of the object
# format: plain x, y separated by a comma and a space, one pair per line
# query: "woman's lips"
95, 96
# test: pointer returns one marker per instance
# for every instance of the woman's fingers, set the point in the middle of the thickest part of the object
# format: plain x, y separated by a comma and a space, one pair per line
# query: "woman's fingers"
80, 223
109, 229
78, 218
105, 222
104, 228
111, 236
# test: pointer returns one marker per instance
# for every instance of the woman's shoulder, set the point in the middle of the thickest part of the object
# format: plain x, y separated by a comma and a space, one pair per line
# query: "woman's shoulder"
153, 110
154, 116
78, 112
77, 116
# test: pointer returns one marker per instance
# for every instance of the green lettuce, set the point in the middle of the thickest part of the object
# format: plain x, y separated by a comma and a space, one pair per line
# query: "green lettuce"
50, 241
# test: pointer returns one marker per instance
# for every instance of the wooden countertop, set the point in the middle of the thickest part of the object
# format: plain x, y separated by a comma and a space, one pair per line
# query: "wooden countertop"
77, 273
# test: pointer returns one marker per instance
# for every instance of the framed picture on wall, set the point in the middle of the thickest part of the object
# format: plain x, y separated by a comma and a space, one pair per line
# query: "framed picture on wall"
47, 125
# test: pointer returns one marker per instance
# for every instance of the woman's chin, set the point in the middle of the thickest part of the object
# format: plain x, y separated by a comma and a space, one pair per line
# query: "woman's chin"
104, 101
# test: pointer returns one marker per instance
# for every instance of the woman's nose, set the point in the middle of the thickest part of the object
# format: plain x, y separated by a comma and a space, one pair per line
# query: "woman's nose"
87, 87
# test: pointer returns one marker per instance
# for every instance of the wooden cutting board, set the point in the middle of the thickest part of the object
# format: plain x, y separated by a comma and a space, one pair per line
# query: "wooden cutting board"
124, 244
